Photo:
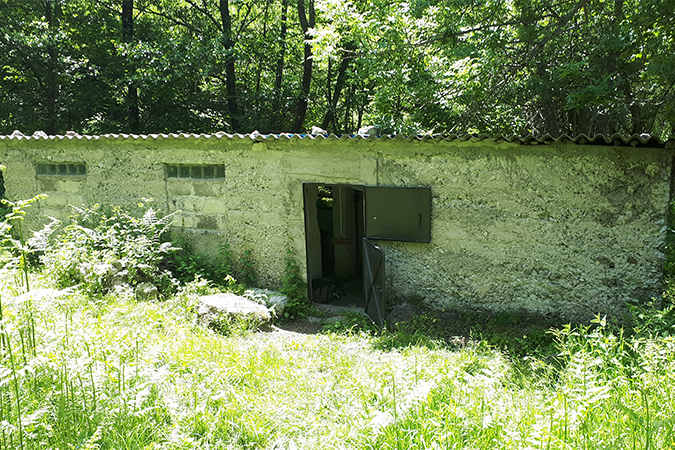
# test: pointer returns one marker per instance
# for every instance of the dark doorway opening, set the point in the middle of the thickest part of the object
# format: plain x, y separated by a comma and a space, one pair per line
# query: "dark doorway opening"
345, 265
334, 230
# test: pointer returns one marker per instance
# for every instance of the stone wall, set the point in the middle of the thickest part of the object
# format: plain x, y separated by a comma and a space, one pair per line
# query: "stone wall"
564, 229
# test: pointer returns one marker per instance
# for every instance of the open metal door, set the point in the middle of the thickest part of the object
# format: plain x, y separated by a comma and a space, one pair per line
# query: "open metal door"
373, 281
398, 213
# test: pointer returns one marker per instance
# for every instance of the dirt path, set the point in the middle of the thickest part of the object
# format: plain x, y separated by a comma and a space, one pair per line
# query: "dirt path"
311, 325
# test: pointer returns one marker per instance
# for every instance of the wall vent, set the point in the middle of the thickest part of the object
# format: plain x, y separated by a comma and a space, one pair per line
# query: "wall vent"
62, 169
195, 171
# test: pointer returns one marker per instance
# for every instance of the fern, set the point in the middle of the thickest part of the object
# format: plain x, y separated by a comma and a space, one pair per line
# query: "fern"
99, 250
18, 242
40, 240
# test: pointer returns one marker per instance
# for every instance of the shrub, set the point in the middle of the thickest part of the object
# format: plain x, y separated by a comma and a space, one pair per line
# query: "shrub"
12, 234
4, 208
653, 320
184, 263
102, 250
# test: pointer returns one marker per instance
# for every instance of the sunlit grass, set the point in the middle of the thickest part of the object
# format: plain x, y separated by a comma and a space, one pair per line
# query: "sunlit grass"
113, 373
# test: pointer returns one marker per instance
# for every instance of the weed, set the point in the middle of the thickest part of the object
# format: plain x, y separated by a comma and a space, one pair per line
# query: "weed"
423, 330
99, 251
4, 208
229, 325
651, 319
14, 220
516, 334
295, 289
352, 324
148, 377
185, 263
246, 270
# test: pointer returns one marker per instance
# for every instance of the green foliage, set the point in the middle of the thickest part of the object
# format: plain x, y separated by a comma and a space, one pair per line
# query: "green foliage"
185, 263
602, 394
656, 317
116, 373
20, 246
406, 67
66, 390
295, 289
669, 266
352, 324
423, 330
247, 275
228, 325
4, 208
599, 341
652, 319
517, 334
99, 250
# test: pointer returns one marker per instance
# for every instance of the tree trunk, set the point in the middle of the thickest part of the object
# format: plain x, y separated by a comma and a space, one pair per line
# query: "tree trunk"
339, 84
133, 115
52, 87
259, 57
230, 76
278, 79
303, 100
347, 127
619, 72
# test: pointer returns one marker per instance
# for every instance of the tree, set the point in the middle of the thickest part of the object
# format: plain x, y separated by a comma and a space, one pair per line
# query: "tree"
307, 24
132, 90
450, 66
32, 63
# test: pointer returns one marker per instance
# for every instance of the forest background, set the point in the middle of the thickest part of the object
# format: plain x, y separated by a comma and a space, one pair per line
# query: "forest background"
417, 66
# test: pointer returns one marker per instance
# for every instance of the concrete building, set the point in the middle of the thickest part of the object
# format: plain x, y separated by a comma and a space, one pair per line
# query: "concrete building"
569, 226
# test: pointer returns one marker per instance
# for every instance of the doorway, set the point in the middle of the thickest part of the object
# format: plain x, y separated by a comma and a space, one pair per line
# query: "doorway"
334, 230
345, 266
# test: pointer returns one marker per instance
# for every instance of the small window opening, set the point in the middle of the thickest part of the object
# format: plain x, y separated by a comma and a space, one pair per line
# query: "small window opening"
62, 169
195, 171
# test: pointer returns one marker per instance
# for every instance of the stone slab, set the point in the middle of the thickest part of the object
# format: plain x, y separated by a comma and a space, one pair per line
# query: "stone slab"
217, 310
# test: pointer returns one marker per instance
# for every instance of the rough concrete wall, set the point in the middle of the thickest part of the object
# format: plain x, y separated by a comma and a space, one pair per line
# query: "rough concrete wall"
116, 174
567, 230
257, 207
563, 229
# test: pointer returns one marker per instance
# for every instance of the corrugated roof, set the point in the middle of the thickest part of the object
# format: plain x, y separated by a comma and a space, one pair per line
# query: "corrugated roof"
641, 140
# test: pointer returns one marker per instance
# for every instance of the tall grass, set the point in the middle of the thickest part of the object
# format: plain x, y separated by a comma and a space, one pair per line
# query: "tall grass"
602, 397
114, 373
91, 367
78, 382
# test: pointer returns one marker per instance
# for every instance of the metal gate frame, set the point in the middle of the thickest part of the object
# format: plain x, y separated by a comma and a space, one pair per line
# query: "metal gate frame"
373, 281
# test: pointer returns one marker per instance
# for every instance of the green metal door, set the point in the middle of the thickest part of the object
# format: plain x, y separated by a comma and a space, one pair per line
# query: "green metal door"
398, 213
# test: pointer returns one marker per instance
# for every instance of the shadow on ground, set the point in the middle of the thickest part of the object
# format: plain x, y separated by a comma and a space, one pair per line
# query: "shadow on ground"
517, 333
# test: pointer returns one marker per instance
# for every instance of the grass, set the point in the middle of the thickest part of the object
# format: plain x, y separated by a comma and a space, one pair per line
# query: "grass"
113, 373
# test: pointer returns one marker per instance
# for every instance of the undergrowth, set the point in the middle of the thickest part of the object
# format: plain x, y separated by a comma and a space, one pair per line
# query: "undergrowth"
295, 289
89, 366
185, 262
101, 251
111, 372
